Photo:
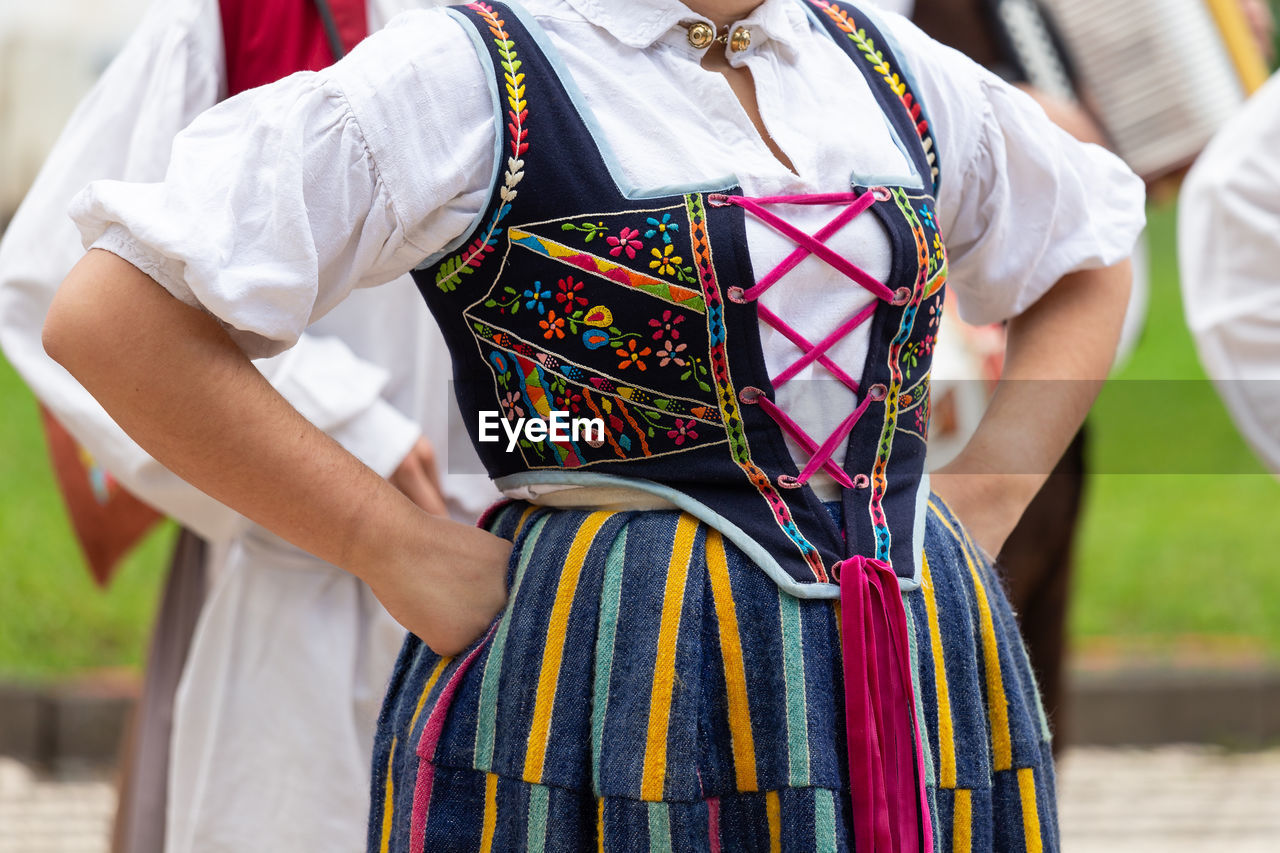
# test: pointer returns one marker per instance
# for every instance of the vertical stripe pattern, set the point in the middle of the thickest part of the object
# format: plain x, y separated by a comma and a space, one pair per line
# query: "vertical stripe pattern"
556, 632
946, 735
1030, 810
666, 696
735, 676
997, 705
492, 673
962, 823
655, 754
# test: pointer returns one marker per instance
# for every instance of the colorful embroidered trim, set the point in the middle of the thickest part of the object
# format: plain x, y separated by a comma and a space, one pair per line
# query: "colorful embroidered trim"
726, 395
451, 270
867, 46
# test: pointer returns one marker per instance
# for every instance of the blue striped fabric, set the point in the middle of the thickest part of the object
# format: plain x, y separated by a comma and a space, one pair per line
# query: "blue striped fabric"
648, 688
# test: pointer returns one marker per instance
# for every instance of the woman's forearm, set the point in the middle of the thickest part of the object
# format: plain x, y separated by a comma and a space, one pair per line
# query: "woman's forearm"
174, 380
1058, 355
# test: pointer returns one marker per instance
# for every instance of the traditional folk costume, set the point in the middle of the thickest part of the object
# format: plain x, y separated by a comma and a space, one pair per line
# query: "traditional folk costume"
736, 620
288, 651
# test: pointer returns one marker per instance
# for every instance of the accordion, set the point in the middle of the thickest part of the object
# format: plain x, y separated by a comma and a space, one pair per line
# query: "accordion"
1161, 75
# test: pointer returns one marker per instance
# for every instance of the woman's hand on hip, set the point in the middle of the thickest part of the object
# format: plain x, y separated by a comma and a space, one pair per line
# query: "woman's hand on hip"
447, 594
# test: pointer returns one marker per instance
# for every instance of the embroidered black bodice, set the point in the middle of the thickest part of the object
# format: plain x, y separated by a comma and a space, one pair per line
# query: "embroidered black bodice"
643, 313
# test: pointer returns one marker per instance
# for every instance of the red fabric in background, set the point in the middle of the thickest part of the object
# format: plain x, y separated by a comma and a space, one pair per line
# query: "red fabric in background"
269, 39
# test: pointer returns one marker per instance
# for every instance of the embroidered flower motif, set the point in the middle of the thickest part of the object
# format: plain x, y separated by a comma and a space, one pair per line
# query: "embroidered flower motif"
511, 404
927, 214
665, 262
684, 430
569, 294
670, 354
625, 242
630, 356
662, 226
667, 325
553, 325
934, 315
569, 401
535, 297
595, 338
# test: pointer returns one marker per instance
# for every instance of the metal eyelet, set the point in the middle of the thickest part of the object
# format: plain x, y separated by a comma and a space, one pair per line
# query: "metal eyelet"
901, 296
718, 200
877, 392
881, 193
786, 481
861, 481
737, 295
750, 395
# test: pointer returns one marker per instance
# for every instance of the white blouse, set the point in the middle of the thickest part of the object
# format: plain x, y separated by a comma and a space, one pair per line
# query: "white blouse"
279, 202
1229, 248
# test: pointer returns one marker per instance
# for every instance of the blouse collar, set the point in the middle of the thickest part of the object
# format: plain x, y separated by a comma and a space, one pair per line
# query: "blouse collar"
641, 23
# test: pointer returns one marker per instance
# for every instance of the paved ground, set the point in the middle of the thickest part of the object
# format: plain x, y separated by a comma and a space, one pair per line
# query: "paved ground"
1172, 800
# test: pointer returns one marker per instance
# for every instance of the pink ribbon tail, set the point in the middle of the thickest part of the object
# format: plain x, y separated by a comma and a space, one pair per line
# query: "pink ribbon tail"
886, 767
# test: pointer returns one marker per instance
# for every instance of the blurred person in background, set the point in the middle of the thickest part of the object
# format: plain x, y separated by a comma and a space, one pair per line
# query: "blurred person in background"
1229, 255
273, 719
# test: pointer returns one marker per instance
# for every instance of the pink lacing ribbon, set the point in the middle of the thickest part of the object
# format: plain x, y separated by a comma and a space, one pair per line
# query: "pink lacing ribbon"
820, 455
886, 773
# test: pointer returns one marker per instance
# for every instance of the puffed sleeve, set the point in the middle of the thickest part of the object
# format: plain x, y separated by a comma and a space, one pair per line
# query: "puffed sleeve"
1021, 203
280, 201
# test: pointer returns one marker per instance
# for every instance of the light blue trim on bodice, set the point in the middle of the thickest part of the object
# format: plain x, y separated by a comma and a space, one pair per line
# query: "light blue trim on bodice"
910, 181
498, 138
739, 537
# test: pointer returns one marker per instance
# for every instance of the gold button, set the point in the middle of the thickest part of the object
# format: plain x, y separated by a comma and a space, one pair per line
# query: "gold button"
740, 40
701, 35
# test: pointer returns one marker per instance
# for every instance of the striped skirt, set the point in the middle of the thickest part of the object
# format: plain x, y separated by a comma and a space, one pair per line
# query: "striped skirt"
649, 688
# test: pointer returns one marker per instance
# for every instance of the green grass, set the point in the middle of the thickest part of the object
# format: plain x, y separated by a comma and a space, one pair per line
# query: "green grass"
53, 619
1161, 555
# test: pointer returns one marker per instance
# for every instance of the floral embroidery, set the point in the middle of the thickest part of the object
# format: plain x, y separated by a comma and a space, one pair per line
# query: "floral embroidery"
664, 262
630, 356
569, 293
511, 404
625, 242
684, 430
927, 214
670, 354
663, 226
595, 338
697, 370
552, 325
535, 297
667, 325
591, 229
569, 401
451, 270
598, 316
